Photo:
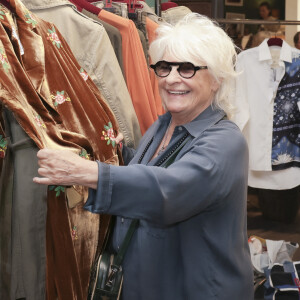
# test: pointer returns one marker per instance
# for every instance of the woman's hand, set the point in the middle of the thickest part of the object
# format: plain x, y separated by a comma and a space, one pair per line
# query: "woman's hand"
62, 167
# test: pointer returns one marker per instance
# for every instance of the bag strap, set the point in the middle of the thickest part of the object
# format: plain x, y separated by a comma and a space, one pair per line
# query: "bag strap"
121, 253
116, 266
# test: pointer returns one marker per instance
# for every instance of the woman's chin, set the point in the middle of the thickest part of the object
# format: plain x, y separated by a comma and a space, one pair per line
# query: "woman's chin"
174, 108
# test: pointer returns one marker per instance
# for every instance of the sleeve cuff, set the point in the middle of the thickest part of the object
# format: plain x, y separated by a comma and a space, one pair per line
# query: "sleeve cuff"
99, 200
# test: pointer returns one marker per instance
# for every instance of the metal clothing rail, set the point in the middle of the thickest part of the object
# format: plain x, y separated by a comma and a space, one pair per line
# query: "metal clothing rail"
256, 22
157, 8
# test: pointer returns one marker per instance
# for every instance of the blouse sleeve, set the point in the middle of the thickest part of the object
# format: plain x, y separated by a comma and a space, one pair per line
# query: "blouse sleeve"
127, 154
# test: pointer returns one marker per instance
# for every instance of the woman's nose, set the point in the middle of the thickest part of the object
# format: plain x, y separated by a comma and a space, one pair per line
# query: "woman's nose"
173, 76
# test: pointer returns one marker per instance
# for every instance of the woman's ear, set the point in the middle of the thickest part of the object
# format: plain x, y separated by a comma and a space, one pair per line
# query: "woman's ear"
215, 84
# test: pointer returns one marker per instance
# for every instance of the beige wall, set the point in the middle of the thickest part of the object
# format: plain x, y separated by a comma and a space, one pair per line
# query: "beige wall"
292, 12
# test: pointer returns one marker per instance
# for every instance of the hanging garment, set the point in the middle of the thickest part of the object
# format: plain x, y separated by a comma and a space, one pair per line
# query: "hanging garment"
140, 24
150, 13
92, 48
174, 14
286, 121
144, 43
23, 218
113, 34
264, 89
151, 27
136, 69
58, 106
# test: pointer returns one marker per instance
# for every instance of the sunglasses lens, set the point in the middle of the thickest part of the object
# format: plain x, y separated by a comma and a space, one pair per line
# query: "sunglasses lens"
186, 70
162, 69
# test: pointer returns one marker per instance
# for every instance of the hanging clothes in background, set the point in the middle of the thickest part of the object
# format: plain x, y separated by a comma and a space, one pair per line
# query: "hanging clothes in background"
113, 34
143, 93
267, 91
136, 69
173, 14
47, 241
151, 26
150, 13
47, 100
93, 50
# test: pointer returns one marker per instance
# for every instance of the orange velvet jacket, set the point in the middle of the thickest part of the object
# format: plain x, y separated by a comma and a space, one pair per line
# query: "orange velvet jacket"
58, 106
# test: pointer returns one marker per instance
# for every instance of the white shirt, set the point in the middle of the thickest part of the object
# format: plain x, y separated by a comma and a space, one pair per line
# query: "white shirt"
262, 69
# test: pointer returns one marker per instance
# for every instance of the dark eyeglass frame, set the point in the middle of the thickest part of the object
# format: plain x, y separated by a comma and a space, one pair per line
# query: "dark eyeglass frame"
180, 64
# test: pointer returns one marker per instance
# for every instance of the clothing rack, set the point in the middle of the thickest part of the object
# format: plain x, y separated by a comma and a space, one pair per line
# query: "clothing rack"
257, 22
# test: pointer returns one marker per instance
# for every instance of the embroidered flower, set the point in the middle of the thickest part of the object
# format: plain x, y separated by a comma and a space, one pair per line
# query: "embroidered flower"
2, 12
30, 19
3, 146
74, 233
84, 154
109, 135
60, 98
57, 188
4, 60
53, 37
39, 121
84, 74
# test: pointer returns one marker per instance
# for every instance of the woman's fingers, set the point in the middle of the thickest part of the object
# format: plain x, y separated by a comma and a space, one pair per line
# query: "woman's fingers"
46, 153
119, 138
63, 167
43, 180
55, 166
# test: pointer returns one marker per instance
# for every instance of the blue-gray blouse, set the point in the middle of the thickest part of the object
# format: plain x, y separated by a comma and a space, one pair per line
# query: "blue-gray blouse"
191, 243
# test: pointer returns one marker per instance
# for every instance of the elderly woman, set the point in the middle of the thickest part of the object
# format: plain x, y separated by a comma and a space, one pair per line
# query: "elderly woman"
191, 242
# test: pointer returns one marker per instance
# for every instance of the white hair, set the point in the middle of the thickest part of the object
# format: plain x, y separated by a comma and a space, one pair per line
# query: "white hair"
197, 39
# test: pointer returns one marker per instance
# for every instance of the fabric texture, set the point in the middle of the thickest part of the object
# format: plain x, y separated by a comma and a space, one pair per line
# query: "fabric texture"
93, 50
44, 88
256, 88
178, 251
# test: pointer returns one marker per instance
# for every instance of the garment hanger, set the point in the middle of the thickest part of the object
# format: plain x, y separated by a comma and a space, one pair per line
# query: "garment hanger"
131, 4
86, 5
108, 6
275, 41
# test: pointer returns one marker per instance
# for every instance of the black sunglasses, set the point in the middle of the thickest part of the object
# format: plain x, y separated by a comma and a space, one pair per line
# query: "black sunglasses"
186, 69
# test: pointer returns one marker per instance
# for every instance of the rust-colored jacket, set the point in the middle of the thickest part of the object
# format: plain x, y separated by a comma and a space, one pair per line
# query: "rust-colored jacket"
58, 106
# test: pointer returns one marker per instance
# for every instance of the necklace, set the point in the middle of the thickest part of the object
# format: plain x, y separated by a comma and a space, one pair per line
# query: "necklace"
163, 147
